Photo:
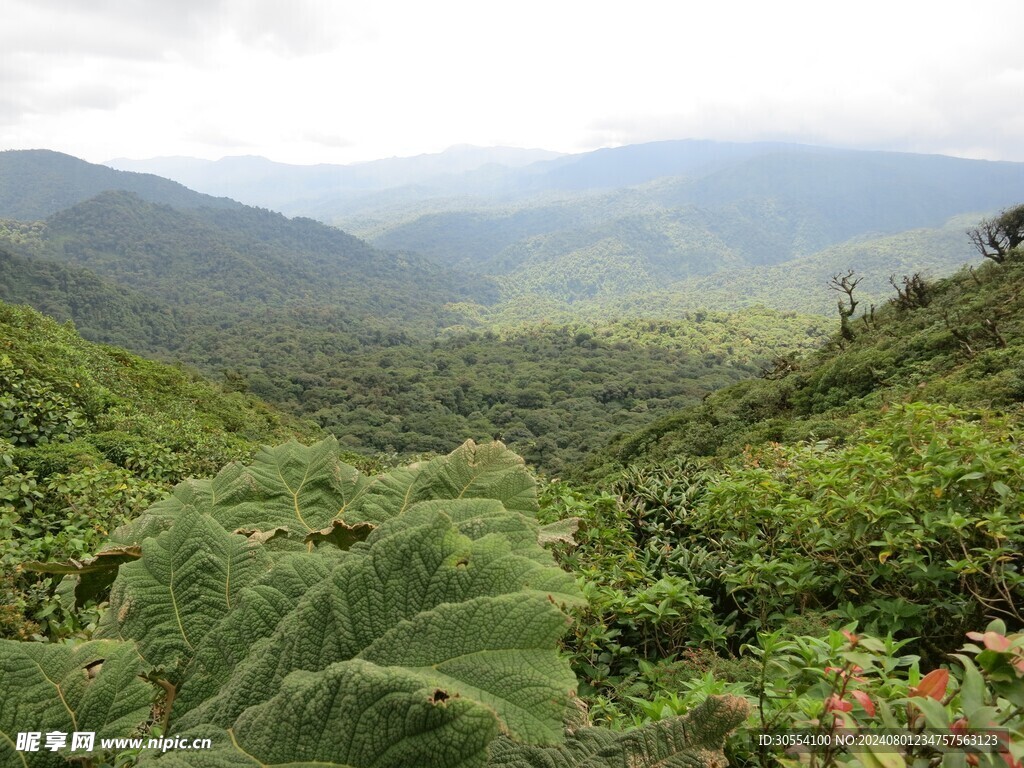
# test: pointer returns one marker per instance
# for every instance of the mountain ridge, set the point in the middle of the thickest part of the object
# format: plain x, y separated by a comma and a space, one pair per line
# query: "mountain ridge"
36, 183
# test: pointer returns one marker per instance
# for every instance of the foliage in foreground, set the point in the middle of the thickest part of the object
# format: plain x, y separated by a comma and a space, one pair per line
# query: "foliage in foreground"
296, 611
841, 681
89, 437
709, 579
912, 528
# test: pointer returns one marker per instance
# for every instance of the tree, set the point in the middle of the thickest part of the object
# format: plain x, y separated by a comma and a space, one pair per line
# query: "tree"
996, 238
845, 284
913, 293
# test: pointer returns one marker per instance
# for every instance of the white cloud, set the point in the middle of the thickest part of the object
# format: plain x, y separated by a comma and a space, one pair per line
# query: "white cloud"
322, 81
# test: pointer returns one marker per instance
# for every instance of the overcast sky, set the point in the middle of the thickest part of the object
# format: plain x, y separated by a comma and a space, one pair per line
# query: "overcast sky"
310, 81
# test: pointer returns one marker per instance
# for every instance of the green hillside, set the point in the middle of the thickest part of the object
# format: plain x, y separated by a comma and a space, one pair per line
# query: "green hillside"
235, 257
209, 286
89, 436
683, 258
38, 182
960, 344
799, 283
101, 310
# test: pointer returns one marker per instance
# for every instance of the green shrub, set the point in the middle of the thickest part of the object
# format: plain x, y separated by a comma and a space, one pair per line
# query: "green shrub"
31, 412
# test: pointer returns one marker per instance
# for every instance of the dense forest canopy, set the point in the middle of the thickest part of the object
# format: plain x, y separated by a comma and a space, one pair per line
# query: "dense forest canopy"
729, 518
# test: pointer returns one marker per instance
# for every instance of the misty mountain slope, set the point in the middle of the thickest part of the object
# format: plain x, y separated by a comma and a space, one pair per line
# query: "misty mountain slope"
851, 193
633, 164
768, 207
799, 284
611, 279
37, 183
291, 188
247, 256
474, 238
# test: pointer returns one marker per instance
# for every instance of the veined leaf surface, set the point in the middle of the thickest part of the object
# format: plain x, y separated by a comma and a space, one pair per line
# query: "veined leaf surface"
187, 578
44, 688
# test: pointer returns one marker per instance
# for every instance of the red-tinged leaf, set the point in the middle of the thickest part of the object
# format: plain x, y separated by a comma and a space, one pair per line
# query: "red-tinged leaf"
976, 636
865, 701
835, 704
960, 725
996, 642
850, 636
933, 685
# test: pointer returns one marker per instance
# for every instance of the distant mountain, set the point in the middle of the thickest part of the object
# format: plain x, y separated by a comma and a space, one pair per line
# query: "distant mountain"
616, 167
243, 260
733, 208
37, 182
295, 188
800, 284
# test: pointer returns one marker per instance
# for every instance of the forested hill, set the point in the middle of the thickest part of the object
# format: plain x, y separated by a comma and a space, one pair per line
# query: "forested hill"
101, 310
38, 182
958, 340
724, 219
239, 260
89, 436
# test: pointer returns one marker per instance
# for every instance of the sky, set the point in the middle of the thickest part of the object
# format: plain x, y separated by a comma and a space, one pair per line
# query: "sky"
337, 81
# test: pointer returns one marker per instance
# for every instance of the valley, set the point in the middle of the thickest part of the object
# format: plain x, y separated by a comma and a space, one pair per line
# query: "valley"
736, 505
496, 293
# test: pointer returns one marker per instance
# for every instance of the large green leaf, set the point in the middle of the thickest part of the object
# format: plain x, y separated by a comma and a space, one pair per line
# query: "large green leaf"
474, 518
187, 579
293, 496
479, 471
462, 615
93, 687
472, 471
350, 715
306, 615
693, 741
257, 612
291, 486
161, 516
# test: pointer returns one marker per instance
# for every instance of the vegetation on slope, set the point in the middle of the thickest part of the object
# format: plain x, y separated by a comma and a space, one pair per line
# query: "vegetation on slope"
959, 343
89, 436
244, 256
101, 310
37, 183
556, 394
837, 542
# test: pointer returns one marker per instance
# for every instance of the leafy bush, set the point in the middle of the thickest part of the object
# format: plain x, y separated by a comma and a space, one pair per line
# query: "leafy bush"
910, 528
89, 437
31, 412
296, 610
848, 680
